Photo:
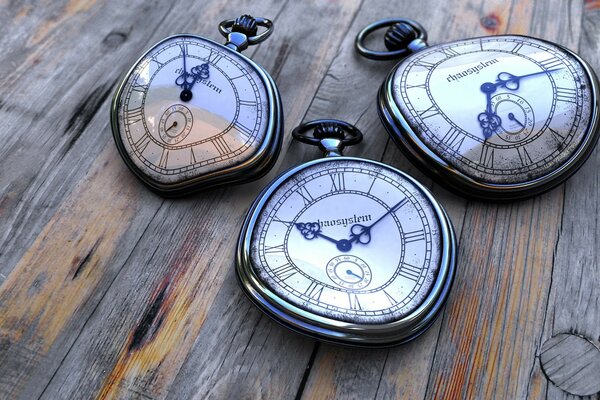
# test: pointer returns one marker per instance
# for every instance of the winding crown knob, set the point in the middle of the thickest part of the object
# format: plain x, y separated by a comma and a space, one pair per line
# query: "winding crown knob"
329, 130
245, 24
399, 36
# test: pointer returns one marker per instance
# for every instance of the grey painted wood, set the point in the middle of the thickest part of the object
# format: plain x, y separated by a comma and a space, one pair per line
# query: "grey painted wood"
107, 290
572, 363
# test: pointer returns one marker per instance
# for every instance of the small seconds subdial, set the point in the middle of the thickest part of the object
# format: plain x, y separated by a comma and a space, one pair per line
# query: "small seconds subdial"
175, 124
349, 272
516, 115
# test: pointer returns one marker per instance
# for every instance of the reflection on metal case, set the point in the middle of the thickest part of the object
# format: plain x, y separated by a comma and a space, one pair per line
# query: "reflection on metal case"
496, 117
346, 249
193, 114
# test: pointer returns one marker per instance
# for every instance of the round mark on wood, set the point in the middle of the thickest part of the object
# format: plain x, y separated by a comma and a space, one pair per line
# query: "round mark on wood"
572, 363
114, 39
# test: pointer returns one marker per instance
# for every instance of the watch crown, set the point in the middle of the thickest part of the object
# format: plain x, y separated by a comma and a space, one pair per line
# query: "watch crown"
245, 24
329, 130
399, 36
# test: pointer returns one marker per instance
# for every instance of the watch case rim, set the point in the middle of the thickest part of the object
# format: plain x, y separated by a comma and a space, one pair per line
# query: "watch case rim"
258, 165
335, 331
458, 182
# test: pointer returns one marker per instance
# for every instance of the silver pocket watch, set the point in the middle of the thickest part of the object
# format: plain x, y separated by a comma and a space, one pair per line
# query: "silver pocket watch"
345, 249
495, 117
193, 114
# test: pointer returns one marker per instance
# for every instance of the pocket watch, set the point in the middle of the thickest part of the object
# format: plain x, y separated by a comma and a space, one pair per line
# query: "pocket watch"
495, 117
192, 113
345, 249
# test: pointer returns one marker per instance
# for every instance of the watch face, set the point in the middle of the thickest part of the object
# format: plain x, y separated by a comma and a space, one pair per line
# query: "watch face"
500, 109
348, 240
220, 121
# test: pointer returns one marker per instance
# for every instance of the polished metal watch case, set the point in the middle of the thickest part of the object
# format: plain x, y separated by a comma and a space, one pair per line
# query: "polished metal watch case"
409, 138
334, 330
259, 162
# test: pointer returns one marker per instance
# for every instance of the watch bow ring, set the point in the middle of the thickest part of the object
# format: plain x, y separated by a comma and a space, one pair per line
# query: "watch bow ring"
494, 118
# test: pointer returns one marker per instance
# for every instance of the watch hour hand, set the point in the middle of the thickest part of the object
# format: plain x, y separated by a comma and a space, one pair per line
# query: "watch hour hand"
312, 230
489, 121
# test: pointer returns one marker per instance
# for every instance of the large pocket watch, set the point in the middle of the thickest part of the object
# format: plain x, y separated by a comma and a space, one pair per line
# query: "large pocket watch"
345, 249
192, 114
496, 117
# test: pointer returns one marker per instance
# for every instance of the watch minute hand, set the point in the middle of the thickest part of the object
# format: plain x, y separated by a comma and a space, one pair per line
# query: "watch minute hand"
362, 234
511, 82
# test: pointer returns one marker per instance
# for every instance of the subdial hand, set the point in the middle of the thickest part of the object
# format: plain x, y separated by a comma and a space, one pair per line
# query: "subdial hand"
173, 125
349, 272
512, 117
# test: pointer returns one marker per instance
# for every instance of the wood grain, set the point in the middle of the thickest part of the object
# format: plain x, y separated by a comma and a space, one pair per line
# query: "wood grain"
108, 291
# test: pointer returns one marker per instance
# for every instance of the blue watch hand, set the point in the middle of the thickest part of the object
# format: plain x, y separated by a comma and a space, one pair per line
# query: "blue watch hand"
489, 121
362, 234
512, 117
311, 230
349, 272
511, 82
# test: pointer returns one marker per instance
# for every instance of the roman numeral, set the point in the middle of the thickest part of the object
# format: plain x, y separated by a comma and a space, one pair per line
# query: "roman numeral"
221, 145
425, 64
184, 49
487, 157
454, 139
305, 194
410, 272
140, 88
449, 52
338, 182
192, 156
557, 136
214, 57
247, 133
517, 47
286, 223
551, 63
164, 158
430, 112
247, 103
390, 298
275, 249
566, 94
134, 116
524, 156
371, 187
414, 236
285, 271
142, 143
314, 290
160, 65
354, 303
420, 86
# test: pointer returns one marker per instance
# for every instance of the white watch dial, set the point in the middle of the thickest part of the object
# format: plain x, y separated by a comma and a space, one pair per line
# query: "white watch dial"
349, 240
500, 109
222, 125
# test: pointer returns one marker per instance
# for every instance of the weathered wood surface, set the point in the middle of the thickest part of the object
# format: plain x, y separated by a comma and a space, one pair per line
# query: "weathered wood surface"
108, 291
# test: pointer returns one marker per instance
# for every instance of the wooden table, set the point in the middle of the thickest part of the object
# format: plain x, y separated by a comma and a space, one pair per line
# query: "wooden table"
107, 290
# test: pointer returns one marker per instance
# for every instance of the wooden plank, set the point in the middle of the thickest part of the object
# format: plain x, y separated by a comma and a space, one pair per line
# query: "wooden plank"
141, 332
83, 245
460, 358
572, 304
493, 324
